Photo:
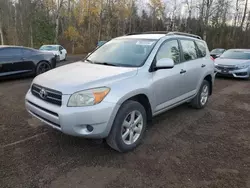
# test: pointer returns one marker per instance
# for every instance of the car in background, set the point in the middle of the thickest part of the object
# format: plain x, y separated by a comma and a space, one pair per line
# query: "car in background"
120, 86
215, 53
57, 50
234, 63
17, 60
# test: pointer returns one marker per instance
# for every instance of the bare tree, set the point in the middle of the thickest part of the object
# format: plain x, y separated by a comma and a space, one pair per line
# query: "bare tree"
59, 4
244, 14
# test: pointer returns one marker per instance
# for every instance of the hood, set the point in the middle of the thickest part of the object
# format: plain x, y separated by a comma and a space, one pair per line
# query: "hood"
222, 61
79, 76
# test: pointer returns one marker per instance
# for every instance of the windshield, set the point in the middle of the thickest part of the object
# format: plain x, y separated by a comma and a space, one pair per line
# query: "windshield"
217, 51
234, 54
49, 48
123, 52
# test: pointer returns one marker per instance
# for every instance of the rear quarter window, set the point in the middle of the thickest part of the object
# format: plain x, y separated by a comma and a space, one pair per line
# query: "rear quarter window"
202, 49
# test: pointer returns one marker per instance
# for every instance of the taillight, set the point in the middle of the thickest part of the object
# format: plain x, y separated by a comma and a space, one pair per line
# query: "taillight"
212, 58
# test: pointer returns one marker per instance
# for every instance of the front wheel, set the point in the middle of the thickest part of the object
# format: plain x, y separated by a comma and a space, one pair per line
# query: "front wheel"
128, 127
201, 98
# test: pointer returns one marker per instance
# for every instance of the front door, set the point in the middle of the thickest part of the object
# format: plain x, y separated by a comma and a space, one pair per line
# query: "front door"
168, 83
9, 58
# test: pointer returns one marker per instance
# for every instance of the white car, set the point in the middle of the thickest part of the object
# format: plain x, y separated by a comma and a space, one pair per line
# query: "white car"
57, 50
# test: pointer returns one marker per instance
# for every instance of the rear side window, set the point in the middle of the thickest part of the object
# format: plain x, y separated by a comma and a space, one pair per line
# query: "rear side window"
202, 49
27, 51
189, 50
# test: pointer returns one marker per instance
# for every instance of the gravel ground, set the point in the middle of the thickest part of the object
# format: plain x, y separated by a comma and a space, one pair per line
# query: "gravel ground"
183, 148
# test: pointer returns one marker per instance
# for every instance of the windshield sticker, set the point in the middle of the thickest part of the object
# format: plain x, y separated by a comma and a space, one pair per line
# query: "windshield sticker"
145, 43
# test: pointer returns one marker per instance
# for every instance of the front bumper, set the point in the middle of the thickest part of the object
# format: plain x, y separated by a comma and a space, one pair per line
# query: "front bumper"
239, 73
74, 120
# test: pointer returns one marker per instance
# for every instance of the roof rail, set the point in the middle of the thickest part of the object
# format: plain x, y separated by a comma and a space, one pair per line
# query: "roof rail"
133, 33
184, 34
155, 32
166, 33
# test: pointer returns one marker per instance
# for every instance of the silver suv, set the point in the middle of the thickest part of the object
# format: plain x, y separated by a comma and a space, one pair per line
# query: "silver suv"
116, 89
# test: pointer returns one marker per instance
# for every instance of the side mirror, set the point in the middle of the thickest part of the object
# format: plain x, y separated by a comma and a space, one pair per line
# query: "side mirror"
60, 51
165, 63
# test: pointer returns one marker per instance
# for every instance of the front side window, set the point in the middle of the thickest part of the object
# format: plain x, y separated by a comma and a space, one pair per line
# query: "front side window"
236, 54
169, 50
123, 52
11, 52
189, 50
60, 48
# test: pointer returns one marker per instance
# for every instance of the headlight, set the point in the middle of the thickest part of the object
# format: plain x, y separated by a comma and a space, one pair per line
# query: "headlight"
243, 66
88, 97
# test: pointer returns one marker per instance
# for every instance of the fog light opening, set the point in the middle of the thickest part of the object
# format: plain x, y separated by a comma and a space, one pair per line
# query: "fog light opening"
90, 128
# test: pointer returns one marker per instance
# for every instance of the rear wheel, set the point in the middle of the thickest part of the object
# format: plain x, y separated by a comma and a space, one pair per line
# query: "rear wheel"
128, 127
42, 67
201, 98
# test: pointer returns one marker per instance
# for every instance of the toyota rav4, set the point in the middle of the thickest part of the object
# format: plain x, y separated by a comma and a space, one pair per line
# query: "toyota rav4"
120, 86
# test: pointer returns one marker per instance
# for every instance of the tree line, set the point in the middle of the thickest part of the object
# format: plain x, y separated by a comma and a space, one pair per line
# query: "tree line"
79, 24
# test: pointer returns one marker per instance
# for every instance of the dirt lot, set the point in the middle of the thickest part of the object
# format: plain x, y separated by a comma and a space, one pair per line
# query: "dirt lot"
183, 148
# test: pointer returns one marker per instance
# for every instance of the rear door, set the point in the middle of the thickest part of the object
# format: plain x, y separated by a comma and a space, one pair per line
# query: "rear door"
9, 58
193, 63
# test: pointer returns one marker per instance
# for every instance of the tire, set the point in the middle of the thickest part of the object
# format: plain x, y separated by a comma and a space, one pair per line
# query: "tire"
42, 65
197, 101
65, 57
123, 117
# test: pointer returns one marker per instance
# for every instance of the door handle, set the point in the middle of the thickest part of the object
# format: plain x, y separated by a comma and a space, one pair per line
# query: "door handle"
183, 71
203, 65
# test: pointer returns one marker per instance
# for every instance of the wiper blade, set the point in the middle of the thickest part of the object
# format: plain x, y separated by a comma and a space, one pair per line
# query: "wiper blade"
88, 60
104, 63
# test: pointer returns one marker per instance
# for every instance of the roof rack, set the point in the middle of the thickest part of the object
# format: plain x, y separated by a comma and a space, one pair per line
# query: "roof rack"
166, 33
184, 34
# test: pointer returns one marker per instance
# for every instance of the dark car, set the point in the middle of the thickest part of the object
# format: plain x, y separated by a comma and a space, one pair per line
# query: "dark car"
16, 60
215, 53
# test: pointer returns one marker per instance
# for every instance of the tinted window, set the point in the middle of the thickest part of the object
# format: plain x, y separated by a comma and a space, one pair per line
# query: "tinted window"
60, 48
169, 50
11, 52
123, 52
27, 51
202, 50
189, 50
236, 54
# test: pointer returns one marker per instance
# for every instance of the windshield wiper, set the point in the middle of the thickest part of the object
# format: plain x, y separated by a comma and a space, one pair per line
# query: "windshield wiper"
104, 63
88, 60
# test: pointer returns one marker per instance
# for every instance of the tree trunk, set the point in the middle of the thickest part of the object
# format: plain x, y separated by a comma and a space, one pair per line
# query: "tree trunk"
244, 15
1, 34
31, 36
57, 29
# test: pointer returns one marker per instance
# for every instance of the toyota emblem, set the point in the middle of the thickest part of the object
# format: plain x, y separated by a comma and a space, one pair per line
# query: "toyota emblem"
43, 93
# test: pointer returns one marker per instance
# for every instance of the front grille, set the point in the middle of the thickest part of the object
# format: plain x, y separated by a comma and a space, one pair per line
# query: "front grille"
226, 68
49, 95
